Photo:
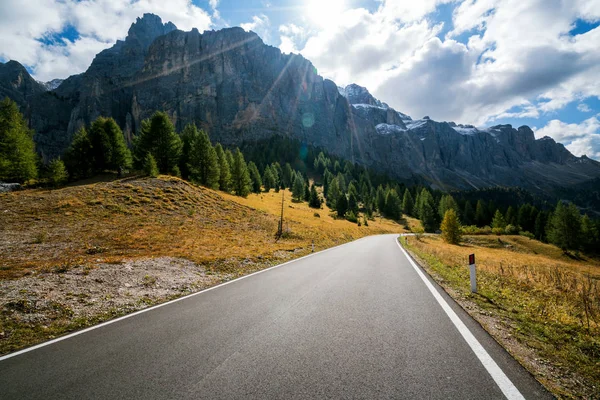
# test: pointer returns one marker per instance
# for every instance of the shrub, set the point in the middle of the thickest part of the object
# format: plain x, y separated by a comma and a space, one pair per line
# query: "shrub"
527, 234
350, 216
498, 231
511, 230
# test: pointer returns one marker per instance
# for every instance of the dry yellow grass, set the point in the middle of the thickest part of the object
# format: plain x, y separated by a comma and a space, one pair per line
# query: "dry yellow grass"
133, 218
549, 301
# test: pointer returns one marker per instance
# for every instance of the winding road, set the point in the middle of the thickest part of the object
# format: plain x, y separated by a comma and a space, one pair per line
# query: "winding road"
358, 321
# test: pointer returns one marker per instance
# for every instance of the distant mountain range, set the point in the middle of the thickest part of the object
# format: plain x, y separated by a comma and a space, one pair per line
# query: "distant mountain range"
240, 90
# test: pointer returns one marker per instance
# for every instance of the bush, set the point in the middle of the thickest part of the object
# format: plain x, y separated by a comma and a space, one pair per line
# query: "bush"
498, 231
527, 234
475, 230
350, 216
511, 230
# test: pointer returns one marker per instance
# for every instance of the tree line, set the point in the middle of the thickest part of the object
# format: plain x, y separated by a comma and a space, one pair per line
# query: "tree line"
348, 189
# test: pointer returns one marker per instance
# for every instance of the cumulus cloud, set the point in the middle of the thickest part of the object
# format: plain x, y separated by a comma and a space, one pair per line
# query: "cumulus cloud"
518, 61
260, 25
579, 139
584, 108
25, 30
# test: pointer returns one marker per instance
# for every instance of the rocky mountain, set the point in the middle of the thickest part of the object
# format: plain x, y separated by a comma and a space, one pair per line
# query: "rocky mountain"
239, 89
51, 85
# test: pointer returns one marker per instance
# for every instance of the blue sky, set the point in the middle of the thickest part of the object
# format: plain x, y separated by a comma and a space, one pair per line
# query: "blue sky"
480, 62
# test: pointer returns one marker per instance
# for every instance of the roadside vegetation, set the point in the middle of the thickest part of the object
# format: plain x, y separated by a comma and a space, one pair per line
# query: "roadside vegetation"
546, 299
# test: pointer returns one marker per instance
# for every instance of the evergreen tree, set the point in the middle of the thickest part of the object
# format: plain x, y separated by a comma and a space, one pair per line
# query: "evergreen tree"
255, 177
314, 200
188, 137
150, 167
468, 215
268, 179
79, 158
451, 227
407, 203
426, 210
101, 145
288, 174
17, 149
341, 205
57, 172
342, 182
511, 216
298, 187
392, 205
224, 169
240, 178
380, 199
589, 234
540, 226
120, 154
481, 217
447, 202
565, 227
158, 137
306, 191
499, 222
333, 194
203, 162
278, 174
352, 203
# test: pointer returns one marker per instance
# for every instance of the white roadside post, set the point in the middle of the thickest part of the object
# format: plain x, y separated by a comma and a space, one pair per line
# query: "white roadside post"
473, 273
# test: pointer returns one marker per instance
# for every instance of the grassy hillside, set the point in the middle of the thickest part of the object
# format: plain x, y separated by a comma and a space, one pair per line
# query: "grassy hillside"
532, 292
85, 253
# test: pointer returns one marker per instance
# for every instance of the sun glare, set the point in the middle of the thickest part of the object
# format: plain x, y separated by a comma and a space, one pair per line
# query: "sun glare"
324, 12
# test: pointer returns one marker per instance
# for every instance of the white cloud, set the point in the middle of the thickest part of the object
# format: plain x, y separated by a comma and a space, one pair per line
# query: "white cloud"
260, 25
584, 108
99, 23
409, 10
292, 37
579, 139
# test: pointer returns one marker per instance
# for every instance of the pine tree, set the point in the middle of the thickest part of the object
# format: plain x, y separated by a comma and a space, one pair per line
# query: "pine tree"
451, 227
188, 136
392, 205
203, 162
240, 178
298, 187
224, 169
380, 199
79, 157
333, 193
255, 177
427, 215
314, 201
589, 234
288, 175
481, 218
499, 222
306, 191
268, 179
341, 205
57, 172
540, 226
468, 214
447, 202
158, 137
407, 203
150, 167
120, 155
511, 216
17, 149
565, 227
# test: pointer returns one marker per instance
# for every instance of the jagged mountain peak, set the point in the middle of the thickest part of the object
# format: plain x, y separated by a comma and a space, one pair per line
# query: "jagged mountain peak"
147, 28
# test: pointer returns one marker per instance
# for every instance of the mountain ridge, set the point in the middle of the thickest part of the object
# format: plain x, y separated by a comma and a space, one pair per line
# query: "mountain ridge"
239, 89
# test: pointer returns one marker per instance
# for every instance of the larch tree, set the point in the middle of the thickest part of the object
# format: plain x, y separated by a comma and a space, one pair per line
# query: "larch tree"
17, 149
450, 227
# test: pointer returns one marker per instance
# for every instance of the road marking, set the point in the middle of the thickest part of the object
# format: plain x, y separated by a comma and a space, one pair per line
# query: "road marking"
112, 321
506, 386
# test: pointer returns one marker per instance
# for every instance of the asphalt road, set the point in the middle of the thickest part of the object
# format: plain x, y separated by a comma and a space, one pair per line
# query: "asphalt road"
356, 321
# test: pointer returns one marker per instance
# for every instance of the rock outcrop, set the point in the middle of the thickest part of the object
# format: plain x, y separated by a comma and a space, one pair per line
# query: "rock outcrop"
237, 88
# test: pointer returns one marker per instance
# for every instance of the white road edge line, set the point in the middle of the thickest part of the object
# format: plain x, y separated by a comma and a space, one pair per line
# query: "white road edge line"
506, 386
112, 321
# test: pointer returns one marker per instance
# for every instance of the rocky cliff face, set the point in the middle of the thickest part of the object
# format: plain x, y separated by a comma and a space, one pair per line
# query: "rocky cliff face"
239, 89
